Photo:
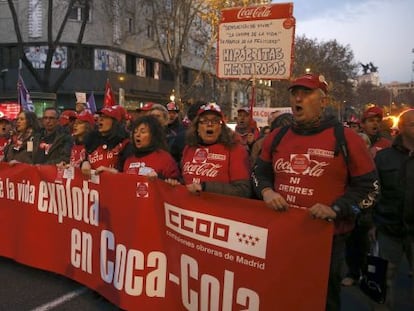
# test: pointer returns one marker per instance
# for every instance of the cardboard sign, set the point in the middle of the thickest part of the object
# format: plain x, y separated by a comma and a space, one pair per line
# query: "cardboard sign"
256, 42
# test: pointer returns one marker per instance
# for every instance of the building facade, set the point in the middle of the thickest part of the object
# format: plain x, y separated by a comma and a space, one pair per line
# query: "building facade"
122, 41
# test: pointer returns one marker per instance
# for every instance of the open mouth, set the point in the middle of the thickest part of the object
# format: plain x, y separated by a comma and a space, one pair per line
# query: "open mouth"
298, 108
209, 132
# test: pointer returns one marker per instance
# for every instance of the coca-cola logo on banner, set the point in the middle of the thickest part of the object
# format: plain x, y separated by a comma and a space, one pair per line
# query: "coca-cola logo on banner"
142, 190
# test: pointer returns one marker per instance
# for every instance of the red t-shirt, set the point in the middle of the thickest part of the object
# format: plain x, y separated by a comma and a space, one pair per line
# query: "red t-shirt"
103, 156
215, 163
77, 155
306, 170
160, 161
381, 143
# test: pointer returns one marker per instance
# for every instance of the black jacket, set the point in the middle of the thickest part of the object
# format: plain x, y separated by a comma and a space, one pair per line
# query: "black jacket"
394, 212
59, 146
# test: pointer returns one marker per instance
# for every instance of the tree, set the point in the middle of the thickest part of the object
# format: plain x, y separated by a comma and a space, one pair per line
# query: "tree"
172, 22
330, 59
43, 75
366, 93
187, 30
406, 98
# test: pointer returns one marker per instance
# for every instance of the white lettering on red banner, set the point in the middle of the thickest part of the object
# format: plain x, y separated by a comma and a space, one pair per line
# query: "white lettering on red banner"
81, 204
226, 233
210, 292
122, 270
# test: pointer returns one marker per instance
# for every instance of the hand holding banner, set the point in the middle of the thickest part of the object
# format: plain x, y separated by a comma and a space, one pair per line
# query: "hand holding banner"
160, 247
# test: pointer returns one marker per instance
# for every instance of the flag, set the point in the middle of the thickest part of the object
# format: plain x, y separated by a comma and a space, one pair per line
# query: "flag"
23, 96
109, 99
91, 103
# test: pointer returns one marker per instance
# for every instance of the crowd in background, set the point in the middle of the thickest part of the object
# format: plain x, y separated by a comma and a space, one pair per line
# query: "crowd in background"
204, 154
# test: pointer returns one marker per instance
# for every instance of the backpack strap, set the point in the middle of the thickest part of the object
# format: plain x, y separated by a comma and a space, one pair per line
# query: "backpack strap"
341, 145
276, 140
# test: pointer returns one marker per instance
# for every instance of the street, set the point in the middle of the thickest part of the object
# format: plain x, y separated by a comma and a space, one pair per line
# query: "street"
25, 288
355, 300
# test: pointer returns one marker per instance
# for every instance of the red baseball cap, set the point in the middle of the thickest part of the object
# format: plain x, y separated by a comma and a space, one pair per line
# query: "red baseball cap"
3, 117
86, 116
372, 112
124, 113
245, 109
112, 112
171, 106
66, 117
354, 119
213, 107
311, 81
147, 106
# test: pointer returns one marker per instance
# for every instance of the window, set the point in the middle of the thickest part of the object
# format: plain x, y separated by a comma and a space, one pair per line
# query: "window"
186, 76
130, 64
149, 68
79, 13
85, 59
167, 74
157, 71
129, 25
150, 31
140, 67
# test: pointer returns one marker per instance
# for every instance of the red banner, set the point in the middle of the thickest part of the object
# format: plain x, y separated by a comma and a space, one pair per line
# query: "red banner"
144, 244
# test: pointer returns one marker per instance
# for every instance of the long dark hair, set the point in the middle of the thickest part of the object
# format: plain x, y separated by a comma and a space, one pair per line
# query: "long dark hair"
158, 140
32, 122
116, 134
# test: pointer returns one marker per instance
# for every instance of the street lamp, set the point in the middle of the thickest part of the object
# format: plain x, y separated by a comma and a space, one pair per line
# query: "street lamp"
172, 96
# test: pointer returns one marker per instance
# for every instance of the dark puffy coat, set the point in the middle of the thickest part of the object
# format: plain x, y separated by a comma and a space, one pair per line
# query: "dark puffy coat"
394, 212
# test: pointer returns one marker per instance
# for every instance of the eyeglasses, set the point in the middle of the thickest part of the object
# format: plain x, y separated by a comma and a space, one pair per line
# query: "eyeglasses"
215, 121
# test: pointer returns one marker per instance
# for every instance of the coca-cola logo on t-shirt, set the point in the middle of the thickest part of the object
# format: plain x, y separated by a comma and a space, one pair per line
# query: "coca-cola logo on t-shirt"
200, 155
299, 162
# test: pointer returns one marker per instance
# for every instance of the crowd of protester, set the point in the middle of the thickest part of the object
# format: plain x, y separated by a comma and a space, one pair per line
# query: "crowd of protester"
201, 152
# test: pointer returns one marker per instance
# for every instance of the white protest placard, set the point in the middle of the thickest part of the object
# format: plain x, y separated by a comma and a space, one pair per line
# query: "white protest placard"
256, 42
80, 97
260, 114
